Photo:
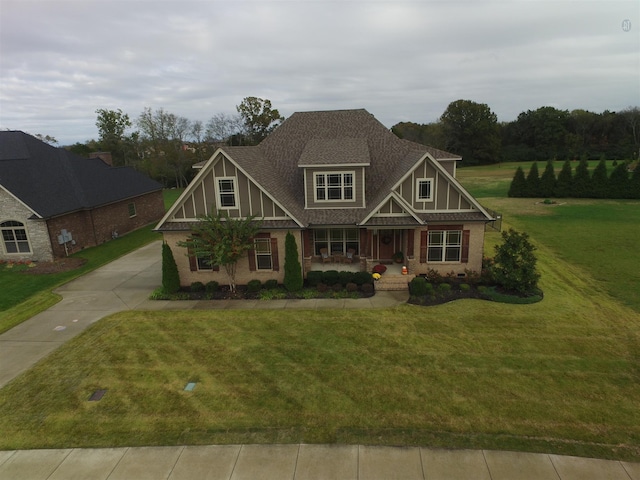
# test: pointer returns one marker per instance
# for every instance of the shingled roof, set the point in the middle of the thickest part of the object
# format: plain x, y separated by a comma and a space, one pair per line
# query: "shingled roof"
52, 181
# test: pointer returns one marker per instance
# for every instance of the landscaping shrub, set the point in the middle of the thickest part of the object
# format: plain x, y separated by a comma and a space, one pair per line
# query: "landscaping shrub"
322, 288
379, 269
271, 284
417, 286
515, 267
292, 270
430, 289
330, 277
337, 287
314, 277
170, 275
211, 286
465, 287
351, 287
367, 288
197, 287
345, 277
254, 286
434, 277
363, 278
444, 287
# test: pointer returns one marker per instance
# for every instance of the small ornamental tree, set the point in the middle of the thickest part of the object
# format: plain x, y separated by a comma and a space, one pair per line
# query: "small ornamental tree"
515, 263
562, 187
548, 181
518, 184
292, 269
224, 239
600, 181
170, 275
533, 181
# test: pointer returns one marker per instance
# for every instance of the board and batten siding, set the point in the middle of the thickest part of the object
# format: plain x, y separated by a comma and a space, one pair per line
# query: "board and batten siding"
445, 197
250, 199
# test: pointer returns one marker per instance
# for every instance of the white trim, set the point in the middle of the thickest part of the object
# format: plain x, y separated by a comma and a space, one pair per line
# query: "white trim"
22, 226
431, 196
219, 193
335, 165
397, 198
327, 186
22, 203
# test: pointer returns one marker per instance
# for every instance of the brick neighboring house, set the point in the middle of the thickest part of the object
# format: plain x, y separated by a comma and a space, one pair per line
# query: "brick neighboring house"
344, 185
46, 190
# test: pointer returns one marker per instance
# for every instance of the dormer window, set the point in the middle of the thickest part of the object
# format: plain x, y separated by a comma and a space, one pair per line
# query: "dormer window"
226, 192
334, 186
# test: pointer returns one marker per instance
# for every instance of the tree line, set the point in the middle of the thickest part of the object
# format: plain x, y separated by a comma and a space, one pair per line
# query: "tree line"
578, 184
472, 130
165, 145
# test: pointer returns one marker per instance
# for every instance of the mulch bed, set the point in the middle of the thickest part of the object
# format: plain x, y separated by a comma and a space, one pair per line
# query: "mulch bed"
224, 293
57, 266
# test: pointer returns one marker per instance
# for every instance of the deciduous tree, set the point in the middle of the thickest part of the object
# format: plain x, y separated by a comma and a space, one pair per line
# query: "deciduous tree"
259, 117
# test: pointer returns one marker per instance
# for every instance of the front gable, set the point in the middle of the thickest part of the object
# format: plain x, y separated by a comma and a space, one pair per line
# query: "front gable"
429, 188
222, 185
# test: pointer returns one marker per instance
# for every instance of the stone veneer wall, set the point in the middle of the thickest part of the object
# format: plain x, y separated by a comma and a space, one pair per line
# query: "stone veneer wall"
12, 209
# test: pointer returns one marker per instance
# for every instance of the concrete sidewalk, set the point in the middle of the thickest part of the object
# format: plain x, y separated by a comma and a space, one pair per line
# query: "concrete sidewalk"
125, 284
302, 462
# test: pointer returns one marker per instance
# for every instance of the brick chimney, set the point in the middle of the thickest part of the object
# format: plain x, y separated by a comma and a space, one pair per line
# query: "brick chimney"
104, 156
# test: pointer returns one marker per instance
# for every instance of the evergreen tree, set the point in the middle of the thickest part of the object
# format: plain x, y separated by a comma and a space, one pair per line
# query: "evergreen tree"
563, 187
619, 182
581, 185
515, 263
634, 183
600, 181
548, 180
533, 181
292, 270
170, 275
518, 185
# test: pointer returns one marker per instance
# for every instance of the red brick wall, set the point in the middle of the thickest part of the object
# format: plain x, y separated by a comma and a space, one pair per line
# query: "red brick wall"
94, 227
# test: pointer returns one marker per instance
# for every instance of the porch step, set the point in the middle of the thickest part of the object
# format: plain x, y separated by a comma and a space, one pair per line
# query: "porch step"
390, 282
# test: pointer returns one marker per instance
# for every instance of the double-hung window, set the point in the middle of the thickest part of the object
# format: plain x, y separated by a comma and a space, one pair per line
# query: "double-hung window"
14, 237
331, 187
227, 192
444, 246
263, 254
424, 190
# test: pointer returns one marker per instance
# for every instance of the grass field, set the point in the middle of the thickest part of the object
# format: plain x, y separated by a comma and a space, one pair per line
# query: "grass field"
560, 376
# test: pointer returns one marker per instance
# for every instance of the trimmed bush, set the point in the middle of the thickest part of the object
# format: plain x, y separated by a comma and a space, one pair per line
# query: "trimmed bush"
363, 278
515, 267
330, 277
367, 288
322, 288
444, 287
430, 288
351, 287
170, 275
254, 286
465, 287
197, 287
314, 277
345, 277
211, 286
434, 277
418, 286
337, 287
271, 284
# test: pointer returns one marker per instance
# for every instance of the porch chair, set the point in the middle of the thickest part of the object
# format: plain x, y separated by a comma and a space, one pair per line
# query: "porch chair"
326, 258
349, 256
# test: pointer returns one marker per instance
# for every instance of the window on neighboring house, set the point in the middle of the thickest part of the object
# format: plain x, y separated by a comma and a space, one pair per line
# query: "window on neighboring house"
227, 192
331, 187
337, 240
444, 246
424, 189
263, 254
132, 209
14, 237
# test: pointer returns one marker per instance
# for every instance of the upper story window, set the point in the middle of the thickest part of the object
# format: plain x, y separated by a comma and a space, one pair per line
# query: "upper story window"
226, 192
14, 237
424, 189
333, 186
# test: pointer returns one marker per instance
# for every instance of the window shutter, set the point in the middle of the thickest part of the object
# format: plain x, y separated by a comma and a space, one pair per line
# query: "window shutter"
424, 235
275, 265
365, 242
306, 243
410, 241
216, 268
252, 259
193, 261
465, 246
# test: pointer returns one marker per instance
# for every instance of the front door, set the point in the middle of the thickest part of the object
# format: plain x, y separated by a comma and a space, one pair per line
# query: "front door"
389, 242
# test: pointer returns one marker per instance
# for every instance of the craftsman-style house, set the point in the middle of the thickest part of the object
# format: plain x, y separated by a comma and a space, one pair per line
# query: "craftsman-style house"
53, 202
347, 188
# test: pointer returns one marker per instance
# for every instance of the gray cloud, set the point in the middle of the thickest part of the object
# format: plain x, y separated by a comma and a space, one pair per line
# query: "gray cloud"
402, 61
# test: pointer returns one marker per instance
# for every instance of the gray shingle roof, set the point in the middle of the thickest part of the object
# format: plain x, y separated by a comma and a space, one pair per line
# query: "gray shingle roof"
53, 181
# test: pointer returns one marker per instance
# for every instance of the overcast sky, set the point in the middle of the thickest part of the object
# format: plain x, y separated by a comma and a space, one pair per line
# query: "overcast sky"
402, 61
